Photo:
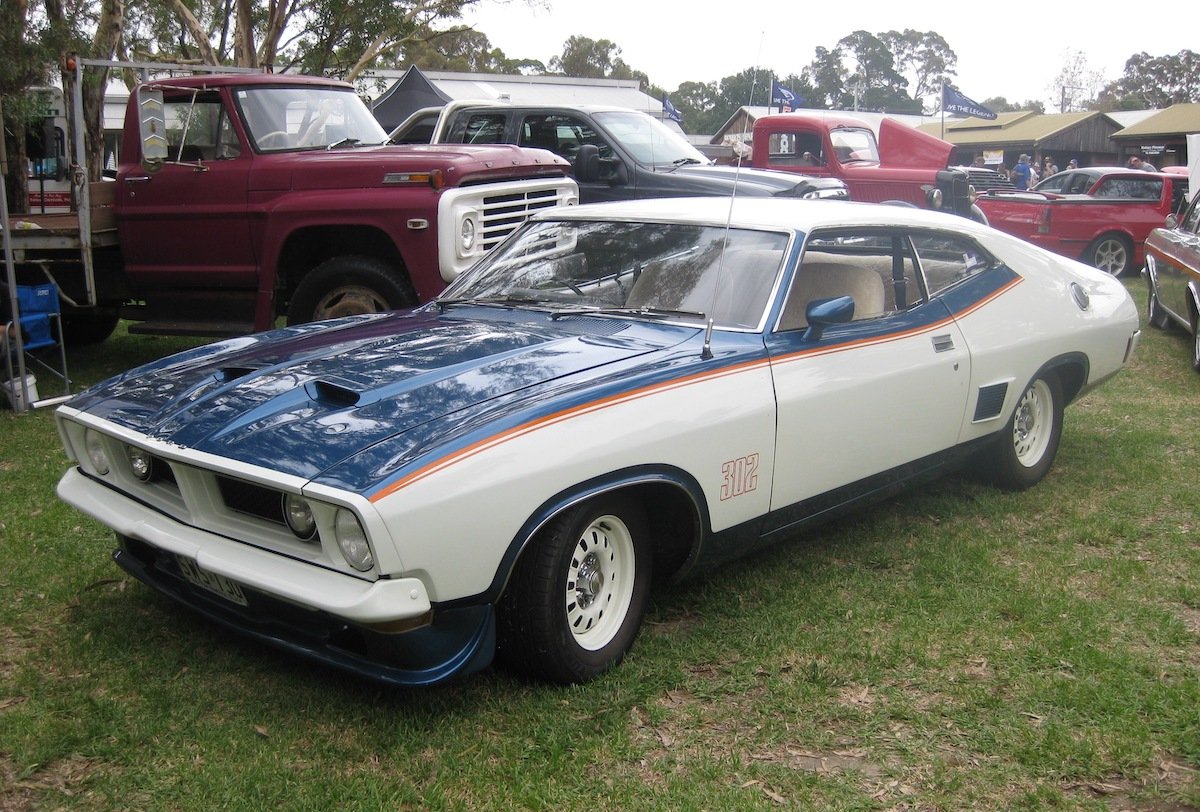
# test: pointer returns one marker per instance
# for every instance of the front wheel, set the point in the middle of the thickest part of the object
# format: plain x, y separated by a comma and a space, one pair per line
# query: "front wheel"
1196, 343
1111, 253
576, 598
1026, 448
349, 286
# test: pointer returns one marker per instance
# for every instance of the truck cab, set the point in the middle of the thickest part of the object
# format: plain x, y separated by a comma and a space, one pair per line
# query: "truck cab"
617, 153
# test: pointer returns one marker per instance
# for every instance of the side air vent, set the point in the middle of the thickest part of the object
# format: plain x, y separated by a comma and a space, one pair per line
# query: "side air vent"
990, 402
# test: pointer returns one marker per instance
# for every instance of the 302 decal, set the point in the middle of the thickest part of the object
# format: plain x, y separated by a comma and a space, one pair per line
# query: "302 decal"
739, 476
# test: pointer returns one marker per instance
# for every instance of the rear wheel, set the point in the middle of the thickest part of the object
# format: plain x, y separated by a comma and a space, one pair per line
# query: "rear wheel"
81, 328
1111, 253
349, 286
576, 598
1026, 448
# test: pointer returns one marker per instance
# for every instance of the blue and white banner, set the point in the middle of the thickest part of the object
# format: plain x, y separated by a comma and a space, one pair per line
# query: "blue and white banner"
786, 99
670, 111
955, 102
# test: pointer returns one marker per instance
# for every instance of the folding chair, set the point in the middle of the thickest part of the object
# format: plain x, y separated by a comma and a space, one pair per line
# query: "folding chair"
39, 315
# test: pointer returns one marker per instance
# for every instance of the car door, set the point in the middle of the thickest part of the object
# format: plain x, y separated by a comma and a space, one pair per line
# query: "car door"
1177, 262
187, 224
863, 401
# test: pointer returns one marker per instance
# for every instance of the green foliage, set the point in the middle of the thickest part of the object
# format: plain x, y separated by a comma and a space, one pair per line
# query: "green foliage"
1154, 81
951, 648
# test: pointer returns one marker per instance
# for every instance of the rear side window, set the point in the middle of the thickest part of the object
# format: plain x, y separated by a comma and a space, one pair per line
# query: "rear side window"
948, 258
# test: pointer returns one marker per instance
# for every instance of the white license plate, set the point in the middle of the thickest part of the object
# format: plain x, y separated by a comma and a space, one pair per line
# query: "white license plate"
204, 579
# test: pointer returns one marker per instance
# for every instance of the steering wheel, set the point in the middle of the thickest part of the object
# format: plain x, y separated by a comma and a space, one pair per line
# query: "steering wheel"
265, 141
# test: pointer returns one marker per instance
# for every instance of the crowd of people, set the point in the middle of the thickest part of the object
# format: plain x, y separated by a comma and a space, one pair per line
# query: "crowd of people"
1027, 172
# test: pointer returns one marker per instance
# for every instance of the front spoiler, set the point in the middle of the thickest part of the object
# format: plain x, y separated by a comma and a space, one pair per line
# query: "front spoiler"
460, 641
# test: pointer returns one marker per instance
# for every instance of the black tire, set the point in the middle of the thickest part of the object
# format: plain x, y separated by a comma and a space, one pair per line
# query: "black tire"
978, 216
1196, 343
348, 286
554, 625
1025, 449
1156, 317
81, 329
1111, 253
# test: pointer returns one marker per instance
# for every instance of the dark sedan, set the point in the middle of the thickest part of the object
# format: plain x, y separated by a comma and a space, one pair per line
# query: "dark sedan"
1172, 275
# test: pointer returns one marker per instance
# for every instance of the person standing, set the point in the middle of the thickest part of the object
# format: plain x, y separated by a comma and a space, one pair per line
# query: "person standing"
1049, 167
1021, 172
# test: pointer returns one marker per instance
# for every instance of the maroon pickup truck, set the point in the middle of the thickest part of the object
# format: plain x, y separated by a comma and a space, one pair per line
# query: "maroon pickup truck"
1099, 215
243, 198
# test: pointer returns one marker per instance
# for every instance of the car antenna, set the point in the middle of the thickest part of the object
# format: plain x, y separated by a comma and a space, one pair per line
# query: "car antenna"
706, 350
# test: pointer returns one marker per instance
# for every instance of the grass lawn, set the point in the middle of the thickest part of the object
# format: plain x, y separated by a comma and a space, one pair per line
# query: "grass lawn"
953, 648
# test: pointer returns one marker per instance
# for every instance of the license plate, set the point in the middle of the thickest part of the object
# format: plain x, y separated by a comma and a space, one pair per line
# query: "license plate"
214, 583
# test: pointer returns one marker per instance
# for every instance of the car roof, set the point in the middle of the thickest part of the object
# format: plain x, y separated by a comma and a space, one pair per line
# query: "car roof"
788, 214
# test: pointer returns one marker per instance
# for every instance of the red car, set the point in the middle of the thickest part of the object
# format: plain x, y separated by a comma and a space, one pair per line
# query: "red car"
1100, 215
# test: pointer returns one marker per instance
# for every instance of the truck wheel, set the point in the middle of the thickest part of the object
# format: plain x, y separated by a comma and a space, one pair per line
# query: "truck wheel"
92, 327
1111, 253
348, 286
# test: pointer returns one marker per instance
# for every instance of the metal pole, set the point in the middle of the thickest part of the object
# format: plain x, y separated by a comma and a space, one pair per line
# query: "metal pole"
14, 307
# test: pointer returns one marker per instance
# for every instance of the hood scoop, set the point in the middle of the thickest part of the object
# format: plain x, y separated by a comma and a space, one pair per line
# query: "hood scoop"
332, 394
232, 373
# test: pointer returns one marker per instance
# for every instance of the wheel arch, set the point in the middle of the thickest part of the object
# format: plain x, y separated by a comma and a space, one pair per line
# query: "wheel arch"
307, 247
1071, 369
674, 504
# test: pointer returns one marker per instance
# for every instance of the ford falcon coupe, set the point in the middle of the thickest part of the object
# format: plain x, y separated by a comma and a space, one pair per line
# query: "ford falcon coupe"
620, 393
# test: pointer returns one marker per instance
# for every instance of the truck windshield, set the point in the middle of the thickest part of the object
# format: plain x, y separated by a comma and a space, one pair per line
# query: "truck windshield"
290, 118
648, 140
850, 145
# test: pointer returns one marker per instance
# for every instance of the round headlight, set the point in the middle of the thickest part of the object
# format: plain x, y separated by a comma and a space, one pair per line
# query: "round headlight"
467, 235
140, 462
299, 516
935, 198
352, 540
96, 451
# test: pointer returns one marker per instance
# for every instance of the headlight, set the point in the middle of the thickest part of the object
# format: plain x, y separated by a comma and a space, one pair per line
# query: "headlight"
299, 516
352, 540
935, 198
468, 234
141, 464
96, 452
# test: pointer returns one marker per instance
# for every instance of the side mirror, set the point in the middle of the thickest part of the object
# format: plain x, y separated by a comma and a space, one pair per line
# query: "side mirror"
587, 164
822, 313
1171, 222
152, 126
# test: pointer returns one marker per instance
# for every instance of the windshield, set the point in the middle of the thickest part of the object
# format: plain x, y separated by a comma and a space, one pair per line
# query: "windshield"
648, 140
283, 118
679, 271
850, 145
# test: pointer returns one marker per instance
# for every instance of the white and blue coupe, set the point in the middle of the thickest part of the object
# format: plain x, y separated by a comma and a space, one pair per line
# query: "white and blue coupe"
618, 392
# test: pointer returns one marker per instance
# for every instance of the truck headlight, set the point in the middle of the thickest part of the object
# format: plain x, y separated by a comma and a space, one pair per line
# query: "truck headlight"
935, 198
468, 234
299, 516
97, 453
352, 540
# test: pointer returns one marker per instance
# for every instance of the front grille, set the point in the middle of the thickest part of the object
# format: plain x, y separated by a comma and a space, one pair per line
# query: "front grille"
986, 179
502, 213
251, 499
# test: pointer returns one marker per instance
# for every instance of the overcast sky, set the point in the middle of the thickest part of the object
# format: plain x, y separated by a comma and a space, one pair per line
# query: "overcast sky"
998, 55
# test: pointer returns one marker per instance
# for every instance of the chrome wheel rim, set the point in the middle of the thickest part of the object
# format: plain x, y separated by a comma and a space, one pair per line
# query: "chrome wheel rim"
1110, 256
349, 300
1032, 424
599, 585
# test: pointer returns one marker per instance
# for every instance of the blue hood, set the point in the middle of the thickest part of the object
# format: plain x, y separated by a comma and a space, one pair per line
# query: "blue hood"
305, 398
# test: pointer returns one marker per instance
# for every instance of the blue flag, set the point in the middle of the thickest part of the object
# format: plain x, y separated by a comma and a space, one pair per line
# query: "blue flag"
955, 102
670, 110
786, 99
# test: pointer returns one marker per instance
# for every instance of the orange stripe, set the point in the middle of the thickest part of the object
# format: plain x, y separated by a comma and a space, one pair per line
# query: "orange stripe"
654, 389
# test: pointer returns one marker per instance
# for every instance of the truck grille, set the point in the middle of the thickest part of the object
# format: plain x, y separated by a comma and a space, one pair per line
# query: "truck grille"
502, 213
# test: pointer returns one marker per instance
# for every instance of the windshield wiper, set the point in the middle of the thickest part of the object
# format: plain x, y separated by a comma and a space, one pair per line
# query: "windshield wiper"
678, 162
644, 312
345, 142
489, 301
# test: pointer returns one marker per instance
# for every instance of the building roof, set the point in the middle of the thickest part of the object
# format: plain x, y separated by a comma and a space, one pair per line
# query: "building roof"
731, 129
1176, 119
1021, 127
